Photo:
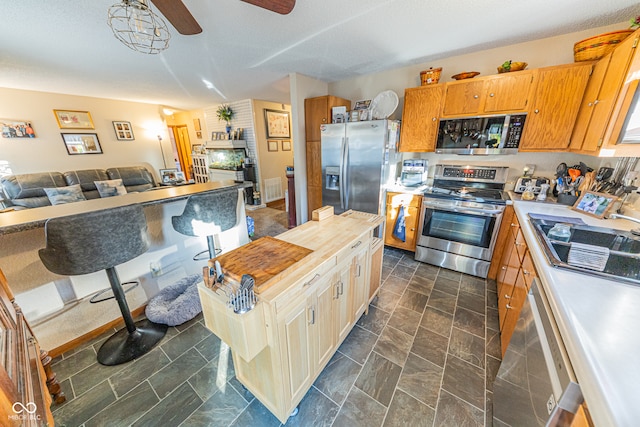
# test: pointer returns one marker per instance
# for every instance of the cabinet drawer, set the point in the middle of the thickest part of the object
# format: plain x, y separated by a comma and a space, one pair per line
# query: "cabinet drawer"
303, 286
397, 199
356, 245
521, 245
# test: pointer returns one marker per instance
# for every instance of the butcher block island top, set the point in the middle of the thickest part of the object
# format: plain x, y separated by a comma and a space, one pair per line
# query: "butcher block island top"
305, 306
263, 259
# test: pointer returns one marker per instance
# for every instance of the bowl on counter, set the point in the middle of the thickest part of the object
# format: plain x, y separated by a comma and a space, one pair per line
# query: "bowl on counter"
465, 75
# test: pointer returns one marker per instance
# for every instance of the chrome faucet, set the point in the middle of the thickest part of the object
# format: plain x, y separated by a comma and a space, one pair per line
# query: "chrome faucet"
635, 231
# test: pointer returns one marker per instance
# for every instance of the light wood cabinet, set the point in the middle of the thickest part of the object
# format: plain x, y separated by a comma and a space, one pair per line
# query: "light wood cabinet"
411, 204
304, 316
317, 111
463, 97
556, 101
508, 92
514, 278
594, 126
501, 93
420, 115
375, 270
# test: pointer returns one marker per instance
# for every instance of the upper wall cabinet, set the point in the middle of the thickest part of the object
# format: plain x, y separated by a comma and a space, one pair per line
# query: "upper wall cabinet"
603, 102
420, 117
556, 101
487, 95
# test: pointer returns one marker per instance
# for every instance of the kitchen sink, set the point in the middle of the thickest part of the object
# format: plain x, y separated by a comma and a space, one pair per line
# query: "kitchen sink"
623, 261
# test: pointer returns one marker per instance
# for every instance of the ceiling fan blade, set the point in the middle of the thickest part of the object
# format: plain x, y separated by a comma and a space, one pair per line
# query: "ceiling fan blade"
283, 7
177, 13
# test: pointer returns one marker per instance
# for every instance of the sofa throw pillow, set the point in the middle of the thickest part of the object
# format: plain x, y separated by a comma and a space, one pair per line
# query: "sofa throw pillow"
61, 195
111, 187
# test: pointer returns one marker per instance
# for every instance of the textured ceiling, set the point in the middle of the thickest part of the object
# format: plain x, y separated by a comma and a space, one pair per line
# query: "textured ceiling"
65, 46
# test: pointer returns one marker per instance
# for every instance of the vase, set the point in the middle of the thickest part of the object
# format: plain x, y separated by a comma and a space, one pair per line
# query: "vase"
228, 128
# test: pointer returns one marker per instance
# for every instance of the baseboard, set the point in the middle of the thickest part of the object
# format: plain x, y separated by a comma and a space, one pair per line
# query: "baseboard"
54, 352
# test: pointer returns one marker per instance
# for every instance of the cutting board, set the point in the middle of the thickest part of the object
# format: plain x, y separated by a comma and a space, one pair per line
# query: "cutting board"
263, 259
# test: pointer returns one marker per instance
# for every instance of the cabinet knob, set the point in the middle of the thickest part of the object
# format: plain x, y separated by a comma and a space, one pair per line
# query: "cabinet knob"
508, 307
433, 119
324, 120
491, 95
514, 225
536, 111
595, 102
525, 272
506, 296
504, 267
475, 96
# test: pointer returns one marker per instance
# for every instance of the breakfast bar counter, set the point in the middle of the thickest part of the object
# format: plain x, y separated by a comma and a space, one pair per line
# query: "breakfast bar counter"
26, 219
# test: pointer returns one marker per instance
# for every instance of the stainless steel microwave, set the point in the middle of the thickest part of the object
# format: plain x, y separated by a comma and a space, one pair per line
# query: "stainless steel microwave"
481, 135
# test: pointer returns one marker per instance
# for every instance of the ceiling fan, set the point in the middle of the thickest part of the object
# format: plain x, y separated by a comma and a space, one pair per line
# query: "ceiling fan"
183, 21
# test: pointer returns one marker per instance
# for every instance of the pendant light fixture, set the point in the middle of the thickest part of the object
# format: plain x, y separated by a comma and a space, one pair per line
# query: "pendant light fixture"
137, 27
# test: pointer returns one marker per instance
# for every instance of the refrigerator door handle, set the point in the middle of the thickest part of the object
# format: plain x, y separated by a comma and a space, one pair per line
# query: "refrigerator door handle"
342, 175
345, 176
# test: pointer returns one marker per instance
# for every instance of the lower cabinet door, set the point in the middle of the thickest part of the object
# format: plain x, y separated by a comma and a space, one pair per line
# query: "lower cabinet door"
297, 332
343, 300
323, 328
361, 280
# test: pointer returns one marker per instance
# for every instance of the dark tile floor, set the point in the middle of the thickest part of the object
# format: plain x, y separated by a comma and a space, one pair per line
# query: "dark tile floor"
425, 355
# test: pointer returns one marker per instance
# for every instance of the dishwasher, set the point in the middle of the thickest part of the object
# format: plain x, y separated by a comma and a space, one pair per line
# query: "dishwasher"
535, 385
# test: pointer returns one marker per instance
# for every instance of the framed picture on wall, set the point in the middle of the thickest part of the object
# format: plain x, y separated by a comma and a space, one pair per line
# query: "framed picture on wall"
272, 145
16, 128
123, 130
81, 143
277, 124
71, 119
286, 145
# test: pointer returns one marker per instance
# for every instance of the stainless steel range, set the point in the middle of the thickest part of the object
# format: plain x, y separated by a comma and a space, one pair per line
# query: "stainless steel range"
461, 216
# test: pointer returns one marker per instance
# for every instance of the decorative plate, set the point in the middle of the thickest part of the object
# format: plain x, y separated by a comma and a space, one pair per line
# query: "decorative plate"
465, 75
384, 104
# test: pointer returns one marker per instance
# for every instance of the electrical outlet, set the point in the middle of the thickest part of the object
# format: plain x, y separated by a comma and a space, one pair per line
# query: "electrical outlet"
156, 269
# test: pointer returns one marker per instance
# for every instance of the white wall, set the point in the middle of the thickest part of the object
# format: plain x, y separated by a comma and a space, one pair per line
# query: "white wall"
302, 87
272, 164
47, 152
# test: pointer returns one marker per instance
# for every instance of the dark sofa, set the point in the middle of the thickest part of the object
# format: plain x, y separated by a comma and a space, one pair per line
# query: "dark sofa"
27, 190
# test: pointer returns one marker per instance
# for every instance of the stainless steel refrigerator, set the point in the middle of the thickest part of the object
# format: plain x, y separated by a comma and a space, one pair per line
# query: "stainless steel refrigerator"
358, 160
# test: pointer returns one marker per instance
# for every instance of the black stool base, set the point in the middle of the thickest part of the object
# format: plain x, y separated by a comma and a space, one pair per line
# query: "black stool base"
123, 346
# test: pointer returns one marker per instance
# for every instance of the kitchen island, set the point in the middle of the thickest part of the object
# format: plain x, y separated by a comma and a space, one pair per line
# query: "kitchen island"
304, 312
598, 321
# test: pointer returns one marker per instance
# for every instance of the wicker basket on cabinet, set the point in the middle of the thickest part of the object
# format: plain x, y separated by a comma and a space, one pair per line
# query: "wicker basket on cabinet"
598, 46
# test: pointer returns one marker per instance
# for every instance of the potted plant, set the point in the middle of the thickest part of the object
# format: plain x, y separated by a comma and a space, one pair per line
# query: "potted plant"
225, 113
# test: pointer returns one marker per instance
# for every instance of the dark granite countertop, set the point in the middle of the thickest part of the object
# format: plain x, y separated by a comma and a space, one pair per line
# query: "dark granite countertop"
27, 219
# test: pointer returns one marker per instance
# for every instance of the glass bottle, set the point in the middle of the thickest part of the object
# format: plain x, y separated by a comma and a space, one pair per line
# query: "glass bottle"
560, 232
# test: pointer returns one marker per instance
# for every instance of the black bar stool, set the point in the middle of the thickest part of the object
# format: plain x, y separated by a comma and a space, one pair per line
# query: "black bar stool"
101, 240
207, 215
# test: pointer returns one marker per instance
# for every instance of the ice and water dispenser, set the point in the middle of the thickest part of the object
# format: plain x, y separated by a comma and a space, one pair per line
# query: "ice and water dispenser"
332, 178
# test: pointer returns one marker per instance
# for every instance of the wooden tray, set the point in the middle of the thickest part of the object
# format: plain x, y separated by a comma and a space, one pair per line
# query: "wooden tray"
263, 259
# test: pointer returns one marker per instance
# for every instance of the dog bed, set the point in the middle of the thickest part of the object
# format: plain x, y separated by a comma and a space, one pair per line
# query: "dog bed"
176, 303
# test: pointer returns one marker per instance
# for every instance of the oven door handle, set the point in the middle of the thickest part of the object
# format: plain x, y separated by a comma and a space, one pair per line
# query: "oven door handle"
472, 211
